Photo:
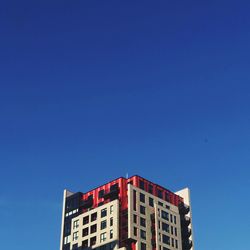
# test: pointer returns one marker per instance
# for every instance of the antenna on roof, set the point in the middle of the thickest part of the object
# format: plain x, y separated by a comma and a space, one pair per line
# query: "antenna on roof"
127, 175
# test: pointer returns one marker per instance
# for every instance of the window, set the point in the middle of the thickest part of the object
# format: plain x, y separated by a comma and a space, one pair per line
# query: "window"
111, 221
134, 199
176, 243
103, 224
93, 216
92, 241
111, 234
111, 209
135, 231
101, 193
165, 227
160, 203
142, 210
164, 248
135, 219
143, 234
159, 193
93, 229
175, 231
85, 244
75, 224
114, 187
167, 197
172, 242
104, 212
142, 198
103, 237
164, 215
151, 202
171, 217
85, 231
141, 184
75, 236
165, 239
172, 230
143, 246
142, 222
174, 219
150, 189
85, 220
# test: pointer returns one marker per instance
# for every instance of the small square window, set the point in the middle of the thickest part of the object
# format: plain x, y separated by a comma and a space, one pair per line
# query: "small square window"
75, 224
75, 247
135, 231
103, 224
85, 244
142, 222
103, 237
93, 229
165, 227
151, 202
150, 189
101, 193
135, 218
143, 234
85, 231
142, 184
143, 246
165, 215
165, 239
85, 220
142, 210
142, 197
93, 216
104, 212
75, 236
93, 241
159, 192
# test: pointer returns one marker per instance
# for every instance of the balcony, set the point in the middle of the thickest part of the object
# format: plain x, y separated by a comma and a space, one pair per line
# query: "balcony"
185, 221
183, 208
186, 245
186, 232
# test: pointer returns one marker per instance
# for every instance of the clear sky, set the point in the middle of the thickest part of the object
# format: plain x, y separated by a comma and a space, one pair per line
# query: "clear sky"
92, 90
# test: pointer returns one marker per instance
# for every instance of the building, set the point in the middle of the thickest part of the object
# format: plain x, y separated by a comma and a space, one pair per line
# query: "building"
127, 213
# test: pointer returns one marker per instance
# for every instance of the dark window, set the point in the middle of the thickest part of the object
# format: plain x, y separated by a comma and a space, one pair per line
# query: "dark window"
142, 198
143, 234
93, 229
85, 220
171, 217
172, 242
174, 219
164, 248
67, 229
172, 230
143, 246
103, 224
160, 203
165, 227
165, 239
164, 215
141, 184
92, 241
167, 197
134, 200
150, 188
142, 210
135, 218
142, 222
85, 244
104, 212
176, 243
111, 221
175, 231
135, 231
101, 193
93, 216
159, 193
114, 187
85, 231
151, 201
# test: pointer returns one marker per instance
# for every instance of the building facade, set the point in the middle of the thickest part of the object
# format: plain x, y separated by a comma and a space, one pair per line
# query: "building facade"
127, 213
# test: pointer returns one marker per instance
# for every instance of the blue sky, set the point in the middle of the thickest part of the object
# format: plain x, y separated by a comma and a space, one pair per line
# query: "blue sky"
92, 90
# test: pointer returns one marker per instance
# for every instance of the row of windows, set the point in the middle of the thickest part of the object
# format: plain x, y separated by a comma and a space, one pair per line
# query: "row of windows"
168, 241
92, 229
93, 217
160, 193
